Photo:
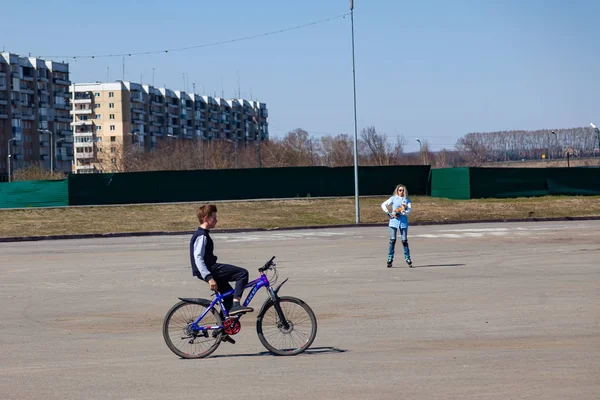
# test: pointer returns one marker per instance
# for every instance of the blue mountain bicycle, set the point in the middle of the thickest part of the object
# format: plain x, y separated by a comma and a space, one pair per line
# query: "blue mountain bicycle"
286, 326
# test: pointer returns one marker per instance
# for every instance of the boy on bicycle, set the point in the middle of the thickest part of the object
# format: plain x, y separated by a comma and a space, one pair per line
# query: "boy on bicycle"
205, 266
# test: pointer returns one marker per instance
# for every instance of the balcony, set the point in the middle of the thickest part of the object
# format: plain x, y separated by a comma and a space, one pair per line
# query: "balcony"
28, 117
137, 97
60, 81
83, 123
82, 101
28, 78
84, 156
27, 90
82, 111
3, 102
64, 157
3, 115
62, 118
89, 142
85, 169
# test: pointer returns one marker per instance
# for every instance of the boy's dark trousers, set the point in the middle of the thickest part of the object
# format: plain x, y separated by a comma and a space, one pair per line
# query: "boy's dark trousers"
225, 273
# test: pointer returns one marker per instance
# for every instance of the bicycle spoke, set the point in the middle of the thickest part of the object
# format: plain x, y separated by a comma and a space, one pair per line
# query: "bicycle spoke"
179, 336
295, 335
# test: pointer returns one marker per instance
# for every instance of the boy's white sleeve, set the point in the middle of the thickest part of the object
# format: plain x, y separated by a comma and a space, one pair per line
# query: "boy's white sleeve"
386, 204
199, 246
408, 208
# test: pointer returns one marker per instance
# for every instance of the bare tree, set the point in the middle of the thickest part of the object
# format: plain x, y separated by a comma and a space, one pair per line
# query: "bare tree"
472, 148
337, 151
35, 172
376, 146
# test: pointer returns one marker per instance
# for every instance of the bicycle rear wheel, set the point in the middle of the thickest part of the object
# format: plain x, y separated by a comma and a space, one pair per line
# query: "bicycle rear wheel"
297, 337
184, 341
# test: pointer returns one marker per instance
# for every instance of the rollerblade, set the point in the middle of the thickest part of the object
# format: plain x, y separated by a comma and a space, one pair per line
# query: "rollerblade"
390, 262
409, 262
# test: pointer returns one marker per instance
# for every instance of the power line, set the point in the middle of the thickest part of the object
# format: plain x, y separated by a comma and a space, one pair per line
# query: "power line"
131, 54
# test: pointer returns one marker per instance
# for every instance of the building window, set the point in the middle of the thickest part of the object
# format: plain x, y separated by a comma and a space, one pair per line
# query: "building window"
96, 94
113, 150
98, 116
112, 127
113, 138
111, 94
111, 116
97, 105
98, 128
111, 105
113, 160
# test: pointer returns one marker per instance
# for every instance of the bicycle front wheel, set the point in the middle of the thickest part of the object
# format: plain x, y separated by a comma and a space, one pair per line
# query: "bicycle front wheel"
287, 339
182, 339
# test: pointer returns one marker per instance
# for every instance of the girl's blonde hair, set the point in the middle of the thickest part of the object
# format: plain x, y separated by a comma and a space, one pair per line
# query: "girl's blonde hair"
398, 187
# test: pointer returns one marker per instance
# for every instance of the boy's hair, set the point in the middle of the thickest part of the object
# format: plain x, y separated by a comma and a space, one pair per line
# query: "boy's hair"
205, 211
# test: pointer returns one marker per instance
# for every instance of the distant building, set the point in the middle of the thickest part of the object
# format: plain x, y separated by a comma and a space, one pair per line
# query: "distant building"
34, 109
110, 116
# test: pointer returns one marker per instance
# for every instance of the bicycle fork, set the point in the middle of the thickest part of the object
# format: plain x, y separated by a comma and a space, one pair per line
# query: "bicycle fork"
277, 305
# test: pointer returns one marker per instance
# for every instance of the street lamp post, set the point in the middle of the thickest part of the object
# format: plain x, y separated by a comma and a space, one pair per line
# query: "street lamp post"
8, 157
420, 149
356, 200
556, 137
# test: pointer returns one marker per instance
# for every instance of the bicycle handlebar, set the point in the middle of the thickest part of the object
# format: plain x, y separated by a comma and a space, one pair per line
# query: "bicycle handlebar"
267, 265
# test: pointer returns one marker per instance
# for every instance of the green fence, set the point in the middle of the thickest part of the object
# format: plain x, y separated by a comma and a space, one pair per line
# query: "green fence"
238, 184
473, 183
271, 183
34, 194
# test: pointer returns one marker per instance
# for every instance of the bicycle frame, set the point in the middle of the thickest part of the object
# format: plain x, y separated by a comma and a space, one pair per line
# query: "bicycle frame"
256, 284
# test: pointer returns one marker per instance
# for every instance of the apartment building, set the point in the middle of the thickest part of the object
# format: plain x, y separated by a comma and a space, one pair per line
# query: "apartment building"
34, 110
109, 117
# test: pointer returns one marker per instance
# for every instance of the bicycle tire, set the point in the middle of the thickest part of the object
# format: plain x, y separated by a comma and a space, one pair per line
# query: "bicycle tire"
298, 314
176, 325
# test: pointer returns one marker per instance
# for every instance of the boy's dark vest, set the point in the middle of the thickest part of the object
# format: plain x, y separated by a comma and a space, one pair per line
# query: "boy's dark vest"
209, 258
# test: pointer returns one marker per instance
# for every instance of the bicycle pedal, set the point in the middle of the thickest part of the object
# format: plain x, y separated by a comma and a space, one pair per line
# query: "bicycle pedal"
229, 339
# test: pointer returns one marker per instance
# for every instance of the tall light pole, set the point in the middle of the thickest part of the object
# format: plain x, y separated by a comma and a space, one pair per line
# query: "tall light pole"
420, 149
556, 137
597, 133
356, 200
51, 147
9, 156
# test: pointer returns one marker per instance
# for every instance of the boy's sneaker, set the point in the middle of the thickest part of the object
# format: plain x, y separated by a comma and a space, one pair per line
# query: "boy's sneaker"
409, 262
226, 338
237, 308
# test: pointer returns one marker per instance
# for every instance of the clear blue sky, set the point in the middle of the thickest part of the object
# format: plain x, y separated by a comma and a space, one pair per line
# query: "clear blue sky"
433, 69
